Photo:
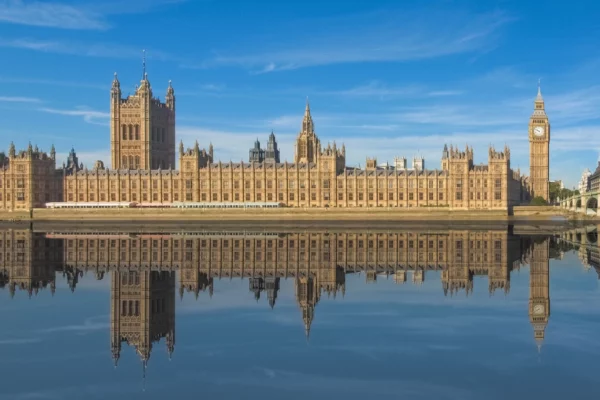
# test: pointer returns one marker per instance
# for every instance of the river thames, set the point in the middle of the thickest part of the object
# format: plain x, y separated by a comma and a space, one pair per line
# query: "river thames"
420, 312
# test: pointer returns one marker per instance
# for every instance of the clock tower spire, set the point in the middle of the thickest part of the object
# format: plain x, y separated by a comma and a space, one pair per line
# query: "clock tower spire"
539, 149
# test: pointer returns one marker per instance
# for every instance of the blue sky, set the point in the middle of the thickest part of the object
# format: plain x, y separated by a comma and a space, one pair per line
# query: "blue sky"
388, 78
383, 340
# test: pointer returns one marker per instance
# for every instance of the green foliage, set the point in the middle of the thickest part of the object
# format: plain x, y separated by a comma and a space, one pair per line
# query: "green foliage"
554, 189
538, 201
566, 193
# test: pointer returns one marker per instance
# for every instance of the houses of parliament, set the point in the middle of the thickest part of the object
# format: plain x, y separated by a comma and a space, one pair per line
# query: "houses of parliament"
143, 268
143, 162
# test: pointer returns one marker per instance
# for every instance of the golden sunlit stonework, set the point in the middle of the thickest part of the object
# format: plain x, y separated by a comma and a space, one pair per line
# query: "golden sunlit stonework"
142, 137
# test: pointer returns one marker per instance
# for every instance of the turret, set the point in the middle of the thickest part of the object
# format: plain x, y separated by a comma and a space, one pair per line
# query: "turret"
115, 91
53, 152
170, 97
11, 150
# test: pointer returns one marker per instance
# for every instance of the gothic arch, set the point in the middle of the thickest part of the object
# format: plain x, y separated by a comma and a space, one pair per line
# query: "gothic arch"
130, 132
124, 162
131, 162
124, 131
592, 203
578, 204
137, 132
137, 162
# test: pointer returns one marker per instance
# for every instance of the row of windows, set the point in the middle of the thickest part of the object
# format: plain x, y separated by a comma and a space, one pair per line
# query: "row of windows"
271, 197
134, 161
113, 184
302, 243
132, 132
113, 197
281, 256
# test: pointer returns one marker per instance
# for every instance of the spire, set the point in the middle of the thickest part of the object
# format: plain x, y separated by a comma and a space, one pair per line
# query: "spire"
116, 85
53, 152
144, 74
11, 150
539, 93
181, 147
307, 122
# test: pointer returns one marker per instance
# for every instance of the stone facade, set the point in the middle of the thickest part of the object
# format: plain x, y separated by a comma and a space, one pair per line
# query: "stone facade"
142, 128
142, 148
29, 179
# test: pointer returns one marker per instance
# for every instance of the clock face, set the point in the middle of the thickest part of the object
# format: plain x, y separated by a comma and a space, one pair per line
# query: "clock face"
538, 309
538, 131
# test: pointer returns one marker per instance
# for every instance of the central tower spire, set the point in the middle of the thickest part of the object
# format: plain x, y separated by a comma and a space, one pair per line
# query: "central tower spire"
307, 122
307, 143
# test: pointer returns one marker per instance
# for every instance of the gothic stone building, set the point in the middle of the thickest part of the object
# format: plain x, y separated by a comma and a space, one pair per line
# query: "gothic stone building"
143, 157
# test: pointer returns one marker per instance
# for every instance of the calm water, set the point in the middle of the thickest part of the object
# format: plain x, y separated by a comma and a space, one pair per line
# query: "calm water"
430, 313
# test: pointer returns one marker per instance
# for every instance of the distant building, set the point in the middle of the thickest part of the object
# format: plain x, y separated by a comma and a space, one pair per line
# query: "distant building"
256, 154
594, 179
401, 164
584, 183
270, 155
272, 152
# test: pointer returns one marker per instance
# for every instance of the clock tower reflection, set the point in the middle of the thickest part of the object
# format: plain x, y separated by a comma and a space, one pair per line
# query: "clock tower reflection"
539, 290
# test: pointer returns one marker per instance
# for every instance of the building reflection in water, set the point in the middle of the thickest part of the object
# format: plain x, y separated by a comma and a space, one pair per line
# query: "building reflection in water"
142, 268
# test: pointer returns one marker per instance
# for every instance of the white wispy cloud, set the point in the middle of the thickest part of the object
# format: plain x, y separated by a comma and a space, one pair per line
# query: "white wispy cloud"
18, 99
88, 325
51, 82
379, 89
440, 93
89, 116
86, 15
373, 38
106, 50
49, 14
13, 342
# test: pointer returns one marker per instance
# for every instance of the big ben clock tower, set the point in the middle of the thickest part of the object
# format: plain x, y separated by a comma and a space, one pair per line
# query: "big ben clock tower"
539, 149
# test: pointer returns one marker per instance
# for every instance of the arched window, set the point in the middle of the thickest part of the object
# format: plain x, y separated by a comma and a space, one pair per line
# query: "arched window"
137, 132
131, 162
130, 132
137, 162
124, 132
124, 162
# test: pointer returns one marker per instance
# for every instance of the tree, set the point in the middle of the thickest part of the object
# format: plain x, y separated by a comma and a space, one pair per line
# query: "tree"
566, 193
554, 190
538, 201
